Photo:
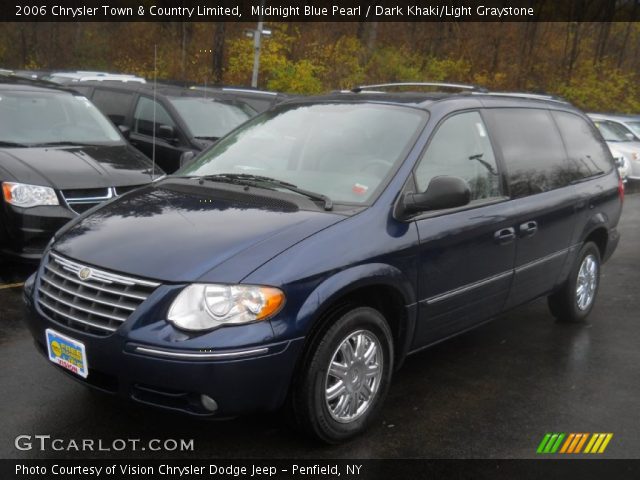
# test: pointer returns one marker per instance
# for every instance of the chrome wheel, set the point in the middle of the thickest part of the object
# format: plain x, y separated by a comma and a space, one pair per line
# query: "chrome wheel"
354, 376
587, 282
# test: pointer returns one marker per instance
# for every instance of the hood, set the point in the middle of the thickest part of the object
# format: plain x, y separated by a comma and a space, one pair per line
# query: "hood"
77, 167
179, 234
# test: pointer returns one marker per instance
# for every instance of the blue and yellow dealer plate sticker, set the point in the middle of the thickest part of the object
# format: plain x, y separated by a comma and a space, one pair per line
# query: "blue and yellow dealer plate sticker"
67, 352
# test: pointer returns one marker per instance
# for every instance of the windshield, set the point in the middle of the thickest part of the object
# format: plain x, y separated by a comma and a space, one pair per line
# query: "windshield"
611, 131
208, 117
40, 118
343, 151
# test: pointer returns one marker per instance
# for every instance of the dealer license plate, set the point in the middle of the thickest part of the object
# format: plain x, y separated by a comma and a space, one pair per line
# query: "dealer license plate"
67, 352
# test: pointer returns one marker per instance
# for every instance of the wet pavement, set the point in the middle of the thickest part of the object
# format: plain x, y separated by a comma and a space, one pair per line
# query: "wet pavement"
490, 393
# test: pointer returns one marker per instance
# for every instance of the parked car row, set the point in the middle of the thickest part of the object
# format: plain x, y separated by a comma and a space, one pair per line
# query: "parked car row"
59, 155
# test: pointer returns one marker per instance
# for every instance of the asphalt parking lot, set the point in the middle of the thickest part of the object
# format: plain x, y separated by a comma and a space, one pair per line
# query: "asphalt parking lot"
490, 393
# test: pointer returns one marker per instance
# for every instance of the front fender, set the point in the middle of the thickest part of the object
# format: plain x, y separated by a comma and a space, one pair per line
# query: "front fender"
330, 290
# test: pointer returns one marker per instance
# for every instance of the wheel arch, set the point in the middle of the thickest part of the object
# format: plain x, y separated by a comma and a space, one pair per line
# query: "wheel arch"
600, 236
380, 286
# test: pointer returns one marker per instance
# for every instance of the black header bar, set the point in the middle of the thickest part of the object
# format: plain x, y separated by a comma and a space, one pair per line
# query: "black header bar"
319, 10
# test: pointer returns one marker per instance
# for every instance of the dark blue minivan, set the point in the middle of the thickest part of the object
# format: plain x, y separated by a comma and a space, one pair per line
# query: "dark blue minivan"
301, 258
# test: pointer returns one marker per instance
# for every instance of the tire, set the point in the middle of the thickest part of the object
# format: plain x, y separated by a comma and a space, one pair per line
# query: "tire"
567, 304
335, 420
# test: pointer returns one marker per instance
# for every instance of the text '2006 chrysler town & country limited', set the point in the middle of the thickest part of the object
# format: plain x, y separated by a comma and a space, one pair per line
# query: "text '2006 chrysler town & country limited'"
298, 260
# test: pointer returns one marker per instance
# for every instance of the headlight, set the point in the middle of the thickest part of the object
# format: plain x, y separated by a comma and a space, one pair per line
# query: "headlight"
207, 306
22, 195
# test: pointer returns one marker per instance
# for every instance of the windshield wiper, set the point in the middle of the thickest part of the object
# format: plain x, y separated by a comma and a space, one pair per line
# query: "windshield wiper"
4, 143
62, 143
203, 137
256, 180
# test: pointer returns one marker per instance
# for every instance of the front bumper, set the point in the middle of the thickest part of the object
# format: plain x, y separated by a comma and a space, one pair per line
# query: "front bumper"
240, 380
26, 231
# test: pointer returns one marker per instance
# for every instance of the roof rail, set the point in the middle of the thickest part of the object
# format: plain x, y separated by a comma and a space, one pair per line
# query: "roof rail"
459, 86
533, 96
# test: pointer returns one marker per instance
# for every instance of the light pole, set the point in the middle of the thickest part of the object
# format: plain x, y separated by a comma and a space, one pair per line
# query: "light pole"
257, 36
257, 42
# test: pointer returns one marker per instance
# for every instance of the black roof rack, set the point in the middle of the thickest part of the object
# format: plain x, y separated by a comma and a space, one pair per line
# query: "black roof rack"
457, 86
473, 89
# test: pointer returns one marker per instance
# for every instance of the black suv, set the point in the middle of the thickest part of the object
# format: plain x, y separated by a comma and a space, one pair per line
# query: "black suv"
305, 254
59, 156
185, 120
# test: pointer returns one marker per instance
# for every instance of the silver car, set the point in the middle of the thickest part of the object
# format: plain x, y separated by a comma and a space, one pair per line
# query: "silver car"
628, 122
621, 140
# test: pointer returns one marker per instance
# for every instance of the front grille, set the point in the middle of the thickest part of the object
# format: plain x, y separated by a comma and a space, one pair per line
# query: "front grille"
88, 299
81, 200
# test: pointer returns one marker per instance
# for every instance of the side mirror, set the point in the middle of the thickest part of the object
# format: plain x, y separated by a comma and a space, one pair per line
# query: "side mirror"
630, 136
166, 132
186, 157
442, 192
125, 131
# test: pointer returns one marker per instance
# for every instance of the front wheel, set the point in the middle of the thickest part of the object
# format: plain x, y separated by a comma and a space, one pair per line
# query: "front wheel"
575, 300
346, 378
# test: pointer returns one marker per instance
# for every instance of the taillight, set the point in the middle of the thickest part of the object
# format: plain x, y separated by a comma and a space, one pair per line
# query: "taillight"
621, 190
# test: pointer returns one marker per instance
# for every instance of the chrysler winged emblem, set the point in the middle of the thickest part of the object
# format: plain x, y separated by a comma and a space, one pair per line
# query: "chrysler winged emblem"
84, 273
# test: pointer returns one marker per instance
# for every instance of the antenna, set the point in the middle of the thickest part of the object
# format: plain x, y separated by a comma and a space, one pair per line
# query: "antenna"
155, 85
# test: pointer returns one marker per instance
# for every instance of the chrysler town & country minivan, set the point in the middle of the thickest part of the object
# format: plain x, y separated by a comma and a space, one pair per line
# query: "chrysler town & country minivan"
302, 257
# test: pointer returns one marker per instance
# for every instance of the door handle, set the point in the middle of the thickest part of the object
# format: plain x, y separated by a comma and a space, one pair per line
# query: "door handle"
505, 235
528, 229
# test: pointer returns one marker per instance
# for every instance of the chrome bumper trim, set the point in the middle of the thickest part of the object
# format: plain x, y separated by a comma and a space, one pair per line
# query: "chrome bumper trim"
200, 355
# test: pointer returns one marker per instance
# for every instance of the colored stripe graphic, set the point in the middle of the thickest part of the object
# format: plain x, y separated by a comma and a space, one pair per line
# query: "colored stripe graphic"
598, 443
543, 443
550, 443
573, 443
568, 442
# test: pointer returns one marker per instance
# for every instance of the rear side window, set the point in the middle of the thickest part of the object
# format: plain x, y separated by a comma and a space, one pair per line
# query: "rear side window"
114, 105
461, 148
143, 116
588, 156
532, 150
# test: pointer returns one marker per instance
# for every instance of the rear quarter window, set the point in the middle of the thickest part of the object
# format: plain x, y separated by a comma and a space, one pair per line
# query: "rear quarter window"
532, 149
588, 155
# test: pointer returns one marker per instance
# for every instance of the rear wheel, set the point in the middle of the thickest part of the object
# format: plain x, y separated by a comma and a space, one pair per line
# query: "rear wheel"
575, 300
346, 378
